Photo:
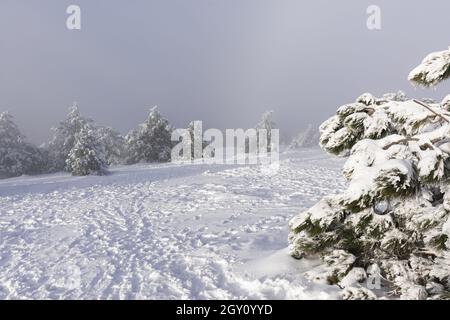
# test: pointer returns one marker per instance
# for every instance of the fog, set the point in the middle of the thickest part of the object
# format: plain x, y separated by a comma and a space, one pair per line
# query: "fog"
220, 61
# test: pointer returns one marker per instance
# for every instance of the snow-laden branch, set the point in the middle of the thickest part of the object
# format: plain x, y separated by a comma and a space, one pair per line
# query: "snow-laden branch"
434, 69
431, 110
394, 216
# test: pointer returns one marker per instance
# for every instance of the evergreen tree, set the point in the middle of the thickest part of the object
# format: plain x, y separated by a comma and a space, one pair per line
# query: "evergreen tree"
114, 145
392, 222
306, 139
151, 142
11, 141
17, 156
433, 69
195, 132
87, 155
267, 124
35, 160
64, 137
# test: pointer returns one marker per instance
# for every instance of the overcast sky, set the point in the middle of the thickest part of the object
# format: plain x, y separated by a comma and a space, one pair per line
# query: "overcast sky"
220, 61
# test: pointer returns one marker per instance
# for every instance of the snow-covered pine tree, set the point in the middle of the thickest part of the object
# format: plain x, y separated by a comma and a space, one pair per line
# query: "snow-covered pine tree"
63, 139
306, 139
114, 145
392, 223
11, 141
151, 142
195, 131
17, 156
35, 160
266, 123
433, 69
87, 156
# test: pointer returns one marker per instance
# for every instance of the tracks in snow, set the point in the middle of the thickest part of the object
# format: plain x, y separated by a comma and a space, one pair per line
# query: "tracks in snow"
149, 232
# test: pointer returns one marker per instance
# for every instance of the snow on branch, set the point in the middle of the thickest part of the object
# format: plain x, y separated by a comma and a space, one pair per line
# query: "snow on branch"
431, 110
394, 216
434, 69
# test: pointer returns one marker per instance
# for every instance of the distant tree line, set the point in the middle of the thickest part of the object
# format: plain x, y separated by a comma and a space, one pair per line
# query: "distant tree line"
81, 147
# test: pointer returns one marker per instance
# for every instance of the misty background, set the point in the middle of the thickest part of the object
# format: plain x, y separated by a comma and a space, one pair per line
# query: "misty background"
220, 61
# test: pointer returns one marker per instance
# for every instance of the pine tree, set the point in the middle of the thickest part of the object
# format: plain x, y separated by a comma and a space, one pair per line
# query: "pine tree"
392, 222
64, 137
114, 145
35, 159
433, 69
11, 140
264, 127
17, 156
195, 131
87, 155
306, 139
151, 142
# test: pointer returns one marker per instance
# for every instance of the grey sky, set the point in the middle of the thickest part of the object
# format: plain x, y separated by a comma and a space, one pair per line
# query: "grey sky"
220, 61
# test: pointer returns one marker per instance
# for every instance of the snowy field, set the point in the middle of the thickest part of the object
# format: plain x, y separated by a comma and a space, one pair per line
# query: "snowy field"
162, 232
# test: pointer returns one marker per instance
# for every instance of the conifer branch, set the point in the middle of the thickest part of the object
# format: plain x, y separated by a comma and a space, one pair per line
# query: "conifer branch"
431, 110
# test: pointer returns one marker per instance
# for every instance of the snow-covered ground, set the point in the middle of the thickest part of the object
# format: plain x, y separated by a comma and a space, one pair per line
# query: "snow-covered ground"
162, 231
